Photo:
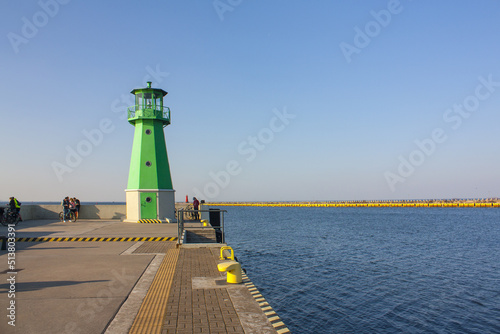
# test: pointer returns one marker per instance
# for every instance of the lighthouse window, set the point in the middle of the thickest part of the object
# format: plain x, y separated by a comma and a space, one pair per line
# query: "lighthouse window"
148, 131
148, 163
157, 100
148, 199
147, 99
138, 99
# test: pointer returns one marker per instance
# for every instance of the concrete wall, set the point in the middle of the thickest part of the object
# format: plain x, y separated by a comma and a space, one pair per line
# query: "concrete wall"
36, 211
86, 211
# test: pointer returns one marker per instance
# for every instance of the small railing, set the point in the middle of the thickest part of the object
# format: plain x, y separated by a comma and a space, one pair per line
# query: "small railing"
216, 222
150, 111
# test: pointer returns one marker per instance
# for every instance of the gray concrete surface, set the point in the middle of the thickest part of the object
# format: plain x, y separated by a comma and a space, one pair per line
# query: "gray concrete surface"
93, 228
72, 287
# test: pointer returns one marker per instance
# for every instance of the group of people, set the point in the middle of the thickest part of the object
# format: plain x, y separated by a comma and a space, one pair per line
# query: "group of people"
70, 205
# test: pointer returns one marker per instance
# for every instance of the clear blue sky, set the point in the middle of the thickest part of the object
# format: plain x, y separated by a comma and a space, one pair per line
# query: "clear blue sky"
323, 100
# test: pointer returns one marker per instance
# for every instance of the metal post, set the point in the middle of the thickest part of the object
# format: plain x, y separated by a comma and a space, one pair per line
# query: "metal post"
222, 227
180, 225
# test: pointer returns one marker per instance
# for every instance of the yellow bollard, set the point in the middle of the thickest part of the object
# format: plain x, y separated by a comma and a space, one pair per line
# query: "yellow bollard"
222, 249
233, 270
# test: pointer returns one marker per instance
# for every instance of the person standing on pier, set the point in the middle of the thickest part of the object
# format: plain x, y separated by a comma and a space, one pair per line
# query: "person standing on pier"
77, 202
196, 205
65, 205
72, 206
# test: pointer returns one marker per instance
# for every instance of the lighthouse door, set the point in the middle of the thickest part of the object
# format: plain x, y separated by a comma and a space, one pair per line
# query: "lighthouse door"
148, 206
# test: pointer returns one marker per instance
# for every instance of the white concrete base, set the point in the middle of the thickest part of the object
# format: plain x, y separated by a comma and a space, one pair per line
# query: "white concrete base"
165, 204
133, 205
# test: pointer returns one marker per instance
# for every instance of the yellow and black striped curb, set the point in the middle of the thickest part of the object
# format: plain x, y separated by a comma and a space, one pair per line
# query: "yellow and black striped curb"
60, 239
149, 221
272, 316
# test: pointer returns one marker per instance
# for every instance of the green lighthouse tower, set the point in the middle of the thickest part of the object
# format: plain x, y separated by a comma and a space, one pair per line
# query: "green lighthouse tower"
149, 193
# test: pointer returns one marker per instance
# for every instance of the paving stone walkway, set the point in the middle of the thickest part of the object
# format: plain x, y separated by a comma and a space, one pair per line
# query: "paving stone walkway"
204, 310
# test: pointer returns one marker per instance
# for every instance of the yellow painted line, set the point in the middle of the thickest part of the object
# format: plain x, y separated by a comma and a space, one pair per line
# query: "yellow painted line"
278, 324
153, 308
100, 239
268, 311
274, 318
149, 221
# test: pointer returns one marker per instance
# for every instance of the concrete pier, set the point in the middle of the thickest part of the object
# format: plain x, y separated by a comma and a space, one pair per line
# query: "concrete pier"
108, 276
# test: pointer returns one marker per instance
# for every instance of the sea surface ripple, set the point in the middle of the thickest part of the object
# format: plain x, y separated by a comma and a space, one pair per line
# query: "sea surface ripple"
373, 270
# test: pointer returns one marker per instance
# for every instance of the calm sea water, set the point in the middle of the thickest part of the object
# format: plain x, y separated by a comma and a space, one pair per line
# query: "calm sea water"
373, 270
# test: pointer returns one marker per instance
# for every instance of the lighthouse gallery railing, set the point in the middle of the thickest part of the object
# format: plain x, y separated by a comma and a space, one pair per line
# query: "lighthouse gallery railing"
149, 111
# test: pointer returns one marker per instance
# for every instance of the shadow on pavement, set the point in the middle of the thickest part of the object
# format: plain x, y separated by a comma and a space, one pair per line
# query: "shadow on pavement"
34, 286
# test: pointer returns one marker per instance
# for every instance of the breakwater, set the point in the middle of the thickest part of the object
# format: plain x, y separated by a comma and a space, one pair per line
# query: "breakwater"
478, 203
118, 211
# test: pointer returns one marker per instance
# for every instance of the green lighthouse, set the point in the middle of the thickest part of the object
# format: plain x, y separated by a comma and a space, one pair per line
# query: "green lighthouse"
149, 193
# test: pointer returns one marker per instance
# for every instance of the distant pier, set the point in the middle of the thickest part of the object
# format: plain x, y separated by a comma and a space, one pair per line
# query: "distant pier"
477, 203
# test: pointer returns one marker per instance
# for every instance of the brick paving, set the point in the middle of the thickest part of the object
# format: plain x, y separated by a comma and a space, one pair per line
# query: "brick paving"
155, 247
205, 310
